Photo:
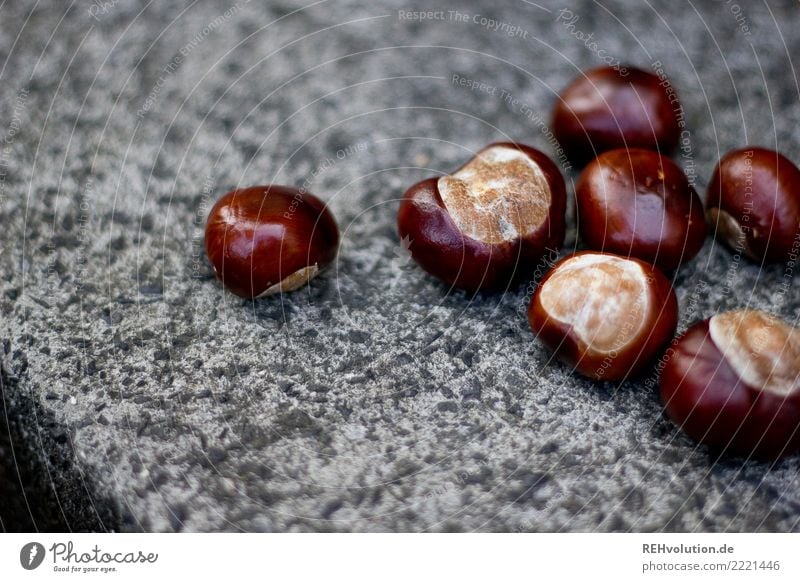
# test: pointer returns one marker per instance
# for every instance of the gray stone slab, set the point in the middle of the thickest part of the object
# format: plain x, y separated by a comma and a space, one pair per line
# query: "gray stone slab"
375, 399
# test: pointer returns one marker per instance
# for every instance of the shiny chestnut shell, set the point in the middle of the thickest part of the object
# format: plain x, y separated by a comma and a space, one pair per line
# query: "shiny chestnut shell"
716, 393
606, 316
639, 203
754, 204
604, 109
486, 252
269, 239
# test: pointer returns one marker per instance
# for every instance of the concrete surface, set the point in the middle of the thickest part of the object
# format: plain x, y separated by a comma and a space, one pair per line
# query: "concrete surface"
139, 396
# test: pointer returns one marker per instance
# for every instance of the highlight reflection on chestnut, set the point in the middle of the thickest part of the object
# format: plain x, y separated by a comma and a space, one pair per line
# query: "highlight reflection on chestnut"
269, 239
486, 225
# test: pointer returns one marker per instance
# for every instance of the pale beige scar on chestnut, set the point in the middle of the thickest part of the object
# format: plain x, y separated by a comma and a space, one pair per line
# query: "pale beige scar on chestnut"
499, 196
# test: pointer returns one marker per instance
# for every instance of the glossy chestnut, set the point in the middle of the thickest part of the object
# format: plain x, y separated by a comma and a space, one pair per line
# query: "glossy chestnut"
606, 109
754, 204
269, 239
606, 316
733, 382
486, 225
639, 203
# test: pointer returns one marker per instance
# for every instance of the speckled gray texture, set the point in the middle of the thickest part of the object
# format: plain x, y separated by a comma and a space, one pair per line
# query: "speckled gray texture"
375, 399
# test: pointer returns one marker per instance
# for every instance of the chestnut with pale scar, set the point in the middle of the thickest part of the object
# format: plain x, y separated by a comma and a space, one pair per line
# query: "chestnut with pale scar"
595, 295
733, 382
486, 225
605, 315
753, 204
269, 239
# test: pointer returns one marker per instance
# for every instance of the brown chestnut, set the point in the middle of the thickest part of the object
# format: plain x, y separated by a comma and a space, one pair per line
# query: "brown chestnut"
754, 204
486, 225
605, 315
609, 108
639, 203
269, 239
733, 382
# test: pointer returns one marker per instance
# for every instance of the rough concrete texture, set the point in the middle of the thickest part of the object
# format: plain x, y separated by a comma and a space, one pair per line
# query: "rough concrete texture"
376, 399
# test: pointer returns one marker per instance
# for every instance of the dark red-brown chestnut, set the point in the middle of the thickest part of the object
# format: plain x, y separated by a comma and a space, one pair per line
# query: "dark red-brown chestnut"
754, 204
606, 109
486, 225
732, 382
269, 239
606, 316
639, 203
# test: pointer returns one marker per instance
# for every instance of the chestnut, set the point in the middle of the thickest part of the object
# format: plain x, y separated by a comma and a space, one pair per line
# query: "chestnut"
732, 382
605, 315
269, 239
754, 204
639, 203
486, 225
609, 108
